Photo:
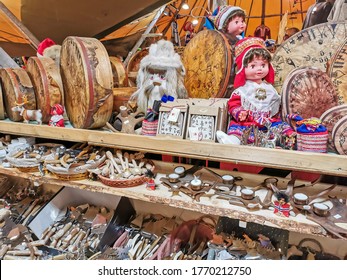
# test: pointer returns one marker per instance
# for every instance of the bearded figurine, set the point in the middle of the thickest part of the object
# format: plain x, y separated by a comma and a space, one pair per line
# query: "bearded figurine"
160, 77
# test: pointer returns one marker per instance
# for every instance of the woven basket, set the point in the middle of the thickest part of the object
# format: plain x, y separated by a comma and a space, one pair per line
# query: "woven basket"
27, 169
71, 177
126, 183
312, 142
123, 183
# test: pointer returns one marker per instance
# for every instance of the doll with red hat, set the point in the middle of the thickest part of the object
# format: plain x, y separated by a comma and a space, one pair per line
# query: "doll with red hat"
230, 20
57, 118
254, 102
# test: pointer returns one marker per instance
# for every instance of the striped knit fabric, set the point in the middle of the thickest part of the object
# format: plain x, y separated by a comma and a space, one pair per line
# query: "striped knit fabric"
149, 128
312, 142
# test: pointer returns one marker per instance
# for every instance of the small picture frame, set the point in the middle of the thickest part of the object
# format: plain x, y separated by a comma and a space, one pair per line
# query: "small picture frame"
174, 129
205, 119
222, 103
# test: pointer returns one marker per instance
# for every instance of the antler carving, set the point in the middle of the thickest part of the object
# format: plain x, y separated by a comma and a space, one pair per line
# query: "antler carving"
25, 101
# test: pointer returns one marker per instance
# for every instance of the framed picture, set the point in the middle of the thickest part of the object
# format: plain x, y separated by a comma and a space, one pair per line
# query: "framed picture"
222, 103
173, 118
202, 123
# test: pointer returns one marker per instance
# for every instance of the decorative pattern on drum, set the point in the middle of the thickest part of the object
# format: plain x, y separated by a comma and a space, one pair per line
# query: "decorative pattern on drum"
46, 79
329, 118
337, 71
313, 46
307, 92
207, 60
340, 136
87, 79
15, 85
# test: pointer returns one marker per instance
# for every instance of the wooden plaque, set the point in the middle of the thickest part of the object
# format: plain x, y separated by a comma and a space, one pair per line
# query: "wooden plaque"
48, 87
87, 79
207, 59
329, 118
120, 77
307, 92
337, 71
15, 84
339, 136
313, 46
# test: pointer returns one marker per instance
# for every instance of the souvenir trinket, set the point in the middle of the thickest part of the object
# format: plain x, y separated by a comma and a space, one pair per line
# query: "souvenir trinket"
282, 205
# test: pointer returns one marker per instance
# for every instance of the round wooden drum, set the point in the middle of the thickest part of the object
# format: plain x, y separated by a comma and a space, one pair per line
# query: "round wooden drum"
134, 66
87, 79
16, 85
340, 136
48, 87
337, 71
207, 59
2, 107
329, 118
308, 92
121, 96
120, 77
313, 46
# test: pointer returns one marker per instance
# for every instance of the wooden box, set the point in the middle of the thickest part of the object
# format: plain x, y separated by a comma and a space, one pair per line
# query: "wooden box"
169, 128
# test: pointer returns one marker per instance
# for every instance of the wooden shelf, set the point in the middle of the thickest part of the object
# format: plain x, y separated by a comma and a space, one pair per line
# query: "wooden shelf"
329, 164
207, 204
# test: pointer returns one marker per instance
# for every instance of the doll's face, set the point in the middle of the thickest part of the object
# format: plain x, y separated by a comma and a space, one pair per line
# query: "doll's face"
257, 69
156, 76
236, 26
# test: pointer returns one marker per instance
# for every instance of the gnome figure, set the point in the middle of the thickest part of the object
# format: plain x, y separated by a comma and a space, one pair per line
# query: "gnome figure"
57, 118
160, 76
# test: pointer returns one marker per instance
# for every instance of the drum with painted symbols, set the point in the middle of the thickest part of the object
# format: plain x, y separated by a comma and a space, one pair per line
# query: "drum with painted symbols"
207, 59
88, 81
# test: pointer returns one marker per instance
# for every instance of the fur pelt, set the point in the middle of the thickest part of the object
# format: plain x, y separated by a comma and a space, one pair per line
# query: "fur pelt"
161, 72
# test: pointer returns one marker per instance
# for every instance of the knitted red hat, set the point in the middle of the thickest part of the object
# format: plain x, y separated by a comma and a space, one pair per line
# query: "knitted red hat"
57, 109
242, 47
44, 44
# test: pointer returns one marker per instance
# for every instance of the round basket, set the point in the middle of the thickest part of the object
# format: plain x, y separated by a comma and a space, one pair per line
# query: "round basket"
71, 177
126, 183
123, 183
27, 169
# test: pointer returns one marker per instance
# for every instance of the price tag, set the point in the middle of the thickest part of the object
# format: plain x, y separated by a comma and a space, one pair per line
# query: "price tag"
242, 224
174, 114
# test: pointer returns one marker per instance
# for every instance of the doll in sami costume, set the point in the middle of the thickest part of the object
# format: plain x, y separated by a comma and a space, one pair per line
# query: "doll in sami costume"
254, 102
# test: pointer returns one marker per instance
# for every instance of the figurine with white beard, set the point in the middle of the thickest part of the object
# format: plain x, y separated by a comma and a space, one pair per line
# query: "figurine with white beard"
160, 76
